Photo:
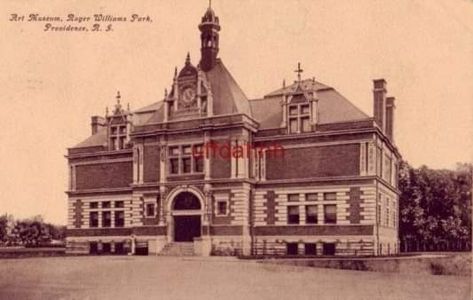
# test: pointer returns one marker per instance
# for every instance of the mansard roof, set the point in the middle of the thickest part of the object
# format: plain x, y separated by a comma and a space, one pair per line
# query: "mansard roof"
332, 106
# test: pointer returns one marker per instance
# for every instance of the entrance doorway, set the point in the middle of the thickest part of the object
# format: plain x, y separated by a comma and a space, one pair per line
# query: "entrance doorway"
187, 217
186, 228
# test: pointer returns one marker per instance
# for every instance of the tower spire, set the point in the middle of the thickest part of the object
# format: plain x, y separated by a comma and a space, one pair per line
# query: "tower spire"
209, 37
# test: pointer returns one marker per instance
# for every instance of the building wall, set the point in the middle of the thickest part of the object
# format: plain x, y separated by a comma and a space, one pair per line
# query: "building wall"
321, 161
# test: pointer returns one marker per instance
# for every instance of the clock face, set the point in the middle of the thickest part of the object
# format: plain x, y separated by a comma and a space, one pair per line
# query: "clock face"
188, 95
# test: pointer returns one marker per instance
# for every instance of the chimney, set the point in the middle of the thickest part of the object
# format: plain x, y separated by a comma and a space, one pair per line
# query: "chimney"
379, 102
96, 123
390, 106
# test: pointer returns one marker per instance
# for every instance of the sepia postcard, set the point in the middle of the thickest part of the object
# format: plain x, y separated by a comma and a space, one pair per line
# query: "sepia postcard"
284, 149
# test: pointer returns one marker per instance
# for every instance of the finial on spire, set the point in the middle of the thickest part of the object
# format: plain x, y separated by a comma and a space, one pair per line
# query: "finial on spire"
284, 83
128, 107
118, 97
210, 3
299, 71
188, 59
106, 111
165, 93
175, 72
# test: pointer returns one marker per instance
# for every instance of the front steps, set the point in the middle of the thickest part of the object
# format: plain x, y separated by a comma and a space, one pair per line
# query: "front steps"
178, 249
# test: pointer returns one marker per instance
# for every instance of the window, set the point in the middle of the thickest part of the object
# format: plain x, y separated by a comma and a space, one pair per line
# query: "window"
150, 209
293, 214
311, 197
119, 204
311, 214
106, 204
94, 205
305, 127
118, 136
310, 249
106, 219
330, 214
293, 197
222, 208
328, 249
387, 217
292, 248
299, 118
330, 196
174, 162
94, 219
119, 218
93, 248
183, 160
186, 165
106, 248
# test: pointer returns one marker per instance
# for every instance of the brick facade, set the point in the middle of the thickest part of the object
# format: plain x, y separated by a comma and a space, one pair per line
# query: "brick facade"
332, 191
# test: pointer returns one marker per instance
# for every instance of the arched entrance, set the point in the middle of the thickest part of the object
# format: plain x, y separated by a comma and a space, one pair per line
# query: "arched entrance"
187, 216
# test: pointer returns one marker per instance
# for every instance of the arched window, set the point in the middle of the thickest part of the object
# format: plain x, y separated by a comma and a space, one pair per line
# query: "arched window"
186, 200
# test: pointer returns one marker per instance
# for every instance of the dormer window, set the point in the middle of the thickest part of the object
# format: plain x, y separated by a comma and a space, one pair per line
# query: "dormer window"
117, 137
299, 118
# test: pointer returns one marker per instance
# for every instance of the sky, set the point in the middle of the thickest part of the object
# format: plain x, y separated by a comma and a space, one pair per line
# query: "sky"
51, 83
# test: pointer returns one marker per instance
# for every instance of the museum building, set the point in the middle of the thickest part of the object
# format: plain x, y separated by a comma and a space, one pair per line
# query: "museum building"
207, 171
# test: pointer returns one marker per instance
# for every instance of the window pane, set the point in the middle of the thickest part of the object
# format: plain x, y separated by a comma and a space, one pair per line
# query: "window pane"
119, 219
106, 204
150, 210
199, 165
121, 142
330, 214
113, 143
186, 165
174, 151
94, 204
174, 162
304, 109
293, 125
311, 214
106, 219
187, 149
305, 124
330, 196
293, 110
114, 130
311, 197
222, 208
122, 129
293, 214
119, 204
94, 219
293, 197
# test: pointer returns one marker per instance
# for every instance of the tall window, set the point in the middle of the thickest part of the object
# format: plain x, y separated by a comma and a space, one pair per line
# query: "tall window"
311, 214
94, 219
106, 219
150, 209
293, 214
117, 137
119, 218
182, 160
330, 214
299, 118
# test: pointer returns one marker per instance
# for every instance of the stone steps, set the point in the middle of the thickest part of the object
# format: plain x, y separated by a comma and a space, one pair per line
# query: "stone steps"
178, 249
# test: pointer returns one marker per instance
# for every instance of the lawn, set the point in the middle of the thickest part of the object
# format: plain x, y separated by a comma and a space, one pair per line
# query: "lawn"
150, 277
